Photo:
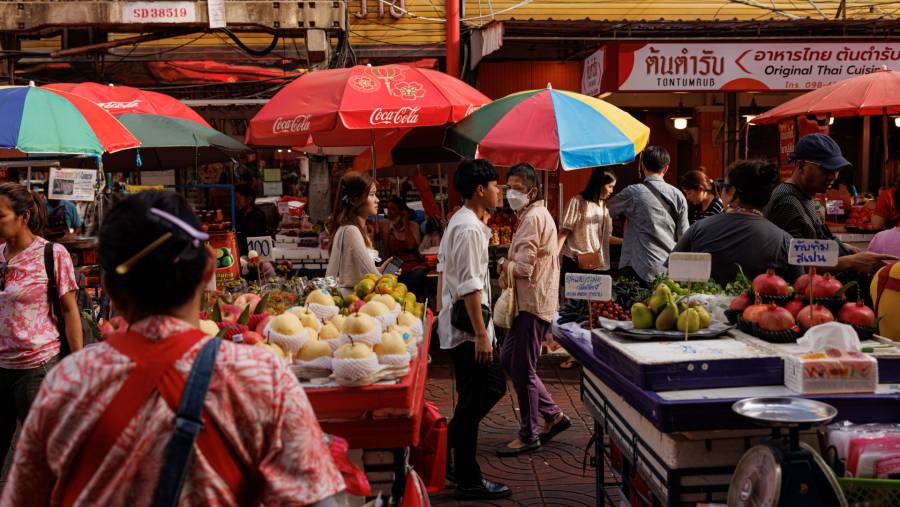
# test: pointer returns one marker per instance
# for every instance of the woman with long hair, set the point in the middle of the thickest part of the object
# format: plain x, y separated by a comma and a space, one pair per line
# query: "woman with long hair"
352, 254
121, 422
702, 195
30, 338
585, 231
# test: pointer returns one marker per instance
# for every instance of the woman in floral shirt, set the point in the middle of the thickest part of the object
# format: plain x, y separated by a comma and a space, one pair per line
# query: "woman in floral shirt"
29, 340
260, 442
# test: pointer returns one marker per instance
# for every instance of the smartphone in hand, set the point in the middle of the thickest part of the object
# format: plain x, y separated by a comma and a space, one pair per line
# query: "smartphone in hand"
393, 266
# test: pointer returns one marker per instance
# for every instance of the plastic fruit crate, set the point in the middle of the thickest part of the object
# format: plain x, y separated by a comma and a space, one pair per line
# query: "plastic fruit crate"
871, 492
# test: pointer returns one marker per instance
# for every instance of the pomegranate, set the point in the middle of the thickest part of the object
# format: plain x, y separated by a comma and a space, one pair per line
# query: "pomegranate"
857, 314
740, 302
751, 313
814, 315
827, 287
801, 285
770, 284
775, 318
794, 306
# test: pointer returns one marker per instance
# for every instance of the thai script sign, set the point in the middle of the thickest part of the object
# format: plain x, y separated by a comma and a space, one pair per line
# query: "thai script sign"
587, 286
755, 67
813, 252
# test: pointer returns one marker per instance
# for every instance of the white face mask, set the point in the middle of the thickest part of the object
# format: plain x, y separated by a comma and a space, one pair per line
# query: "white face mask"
517, 200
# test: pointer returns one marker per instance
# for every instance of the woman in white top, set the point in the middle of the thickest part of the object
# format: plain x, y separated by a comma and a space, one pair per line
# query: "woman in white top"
352, 255
586, 227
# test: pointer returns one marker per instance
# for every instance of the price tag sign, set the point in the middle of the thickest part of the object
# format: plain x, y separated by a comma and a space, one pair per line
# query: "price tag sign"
263, 246
690, 266
813, 252
834, 207
588, 286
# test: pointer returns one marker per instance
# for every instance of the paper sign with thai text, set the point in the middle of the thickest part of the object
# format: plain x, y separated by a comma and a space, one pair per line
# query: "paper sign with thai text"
675, 66
262, 245
813, 252
72, 184
592, 75
690, 266
216, 11
588, 286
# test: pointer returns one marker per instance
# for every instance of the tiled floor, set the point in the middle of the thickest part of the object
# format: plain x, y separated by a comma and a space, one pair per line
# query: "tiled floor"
553, 476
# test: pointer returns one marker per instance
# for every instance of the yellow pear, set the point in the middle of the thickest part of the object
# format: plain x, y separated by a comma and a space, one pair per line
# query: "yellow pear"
313, 350
320, 297
391, 344
307, 318
271, 347
407, 319
387, 300
287, 324
359, 323
374, 309
329, 332
356, 350
338, 321
209, 327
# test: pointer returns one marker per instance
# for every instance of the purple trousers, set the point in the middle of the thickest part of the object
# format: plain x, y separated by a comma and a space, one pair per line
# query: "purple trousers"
519, 357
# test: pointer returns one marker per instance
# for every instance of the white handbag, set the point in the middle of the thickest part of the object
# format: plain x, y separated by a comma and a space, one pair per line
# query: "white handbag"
505, 309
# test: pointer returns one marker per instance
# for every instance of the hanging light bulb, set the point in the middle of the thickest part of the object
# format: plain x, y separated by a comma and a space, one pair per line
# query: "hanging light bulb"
831, 120
897, 121
679, 123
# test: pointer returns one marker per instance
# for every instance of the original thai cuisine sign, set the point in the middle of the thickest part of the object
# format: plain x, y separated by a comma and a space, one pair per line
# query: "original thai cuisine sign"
749, 67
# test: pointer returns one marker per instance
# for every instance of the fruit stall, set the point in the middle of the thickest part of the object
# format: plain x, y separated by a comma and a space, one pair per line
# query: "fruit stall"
665, 370
362, 359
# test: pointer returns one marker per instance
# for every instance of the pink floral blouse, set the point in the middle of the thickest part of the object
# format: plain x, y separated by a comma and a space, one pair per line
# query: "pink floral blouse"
28, 336
253, 398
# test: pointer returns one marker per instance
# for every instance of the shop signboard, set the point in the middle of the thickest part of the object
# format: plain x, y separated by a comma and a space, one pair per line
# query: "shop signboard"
592, 73
158, 12
72, 184
813, 252
709, 66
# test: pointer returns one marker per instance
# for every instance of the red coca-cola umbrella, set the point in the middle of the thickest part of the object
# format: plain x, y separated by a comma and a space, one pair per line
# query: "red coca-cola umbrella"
353, 106
119, 100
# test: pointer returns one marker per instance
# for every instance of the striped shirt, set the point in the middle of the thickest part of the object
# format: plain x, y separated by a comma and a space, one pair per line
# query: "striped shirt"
795, 212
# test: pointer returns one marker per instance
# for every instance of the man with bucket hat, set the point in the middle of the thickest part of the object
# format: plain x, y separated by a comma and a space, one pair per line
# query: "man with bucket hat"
818, 161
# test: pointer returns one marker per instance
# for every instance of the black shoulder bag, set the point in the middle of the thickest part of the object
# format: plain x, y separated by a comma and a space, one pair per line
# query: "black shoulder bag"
54, 302
665, 202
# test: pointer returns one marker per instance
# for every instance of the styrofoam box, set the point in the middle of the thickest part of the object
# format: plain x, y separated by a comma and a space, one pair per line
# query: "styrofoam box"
820, 372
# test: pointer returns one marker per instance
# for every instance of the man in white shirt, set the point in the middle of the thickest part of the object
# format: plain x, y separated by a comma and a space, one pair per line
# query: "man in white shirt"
464, 278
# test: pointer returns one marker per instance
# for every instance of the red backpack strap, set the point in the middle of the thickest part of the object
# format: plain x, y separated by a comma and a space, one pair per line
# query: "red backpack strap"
153, 358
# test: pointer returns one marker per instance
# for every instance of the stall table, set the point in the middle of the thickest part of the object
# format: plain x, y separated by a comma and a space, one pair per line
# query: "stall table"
378, 417
685, 443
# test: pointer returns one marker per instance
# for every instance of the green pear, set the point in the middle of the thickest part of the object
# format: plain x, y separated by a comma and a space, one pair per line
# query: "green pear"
705, 319
689, 321
641, 316
682, 306
660, 298
667, 318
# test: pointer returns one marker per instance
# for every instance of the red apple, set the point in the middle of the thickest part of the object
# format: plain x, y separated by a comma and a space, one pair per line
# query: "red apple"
252, 337
246, 300
261, 326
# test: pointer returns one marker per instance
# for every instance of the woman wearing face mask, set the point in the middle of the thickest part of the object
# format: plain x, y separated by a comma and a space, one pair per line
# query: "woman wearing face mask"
400, 239
702, 196
29, 333
352, 254
585, 231
533, 251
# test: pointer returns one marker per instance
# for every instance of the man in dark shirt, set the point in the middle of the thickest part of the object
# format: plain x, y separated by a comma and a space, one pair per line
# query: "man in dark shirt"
251, 221
818, 160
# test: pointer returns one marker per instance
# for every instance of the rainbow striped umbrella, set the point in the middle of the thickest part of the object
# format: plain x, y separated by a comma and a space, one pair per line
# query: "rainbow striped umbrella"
549, 128
39, 121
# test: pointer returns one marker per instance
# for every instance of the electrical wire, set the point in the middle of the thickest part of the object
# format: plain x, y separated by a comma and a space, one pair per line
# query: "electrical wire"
249, 50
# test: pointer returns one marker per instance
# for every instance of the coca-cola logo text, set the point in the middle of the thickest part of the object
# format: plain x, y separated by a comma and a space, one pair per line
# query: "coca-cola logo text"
402, 116
120, 105
299, 123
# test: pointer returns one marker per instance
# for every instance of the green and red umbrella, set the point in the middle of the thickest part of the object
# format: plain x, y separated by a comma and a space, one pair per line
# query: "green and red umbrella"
172, 135
38, 121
